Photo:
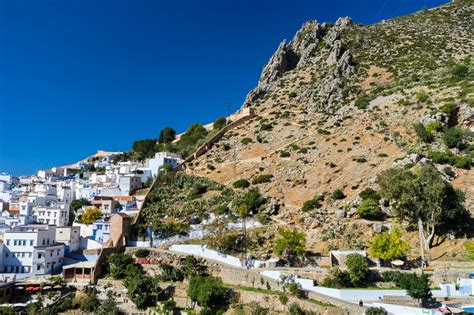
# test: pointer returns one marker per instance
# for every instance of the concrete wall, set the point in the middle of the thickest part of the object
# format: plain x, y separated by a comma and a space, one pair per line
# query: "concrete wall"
357, 295
202, 251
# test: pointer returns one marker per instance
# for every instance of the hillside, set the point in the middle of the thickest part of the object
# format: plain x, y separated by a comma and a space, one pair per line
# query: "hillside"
336, 106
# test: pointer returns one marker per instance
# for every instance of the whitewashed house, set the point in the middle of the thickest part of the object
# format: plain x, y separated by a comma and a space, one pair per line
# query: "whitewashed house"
31, 249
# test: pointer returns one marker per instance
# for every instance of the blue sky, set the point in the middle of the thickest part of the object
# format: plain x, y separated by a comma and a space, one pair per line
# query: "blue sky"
78, 76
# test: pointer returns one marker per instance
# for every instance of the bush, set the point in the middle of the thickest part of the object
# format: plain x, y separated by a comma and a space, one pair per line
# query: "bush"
264, 178
142, 253
314, 203
376, 311
358, 269
170, 273
362, 102
369, 193
284, 154
369, 209
246, 141
337, 279
241, 183
460, 71
283, 298
198, 189
338, 194
292, 94
433, 126
422, 133
219, 123
323, 132
266, 127
455, 137
447, 157
389, 246
421, 96
207, 291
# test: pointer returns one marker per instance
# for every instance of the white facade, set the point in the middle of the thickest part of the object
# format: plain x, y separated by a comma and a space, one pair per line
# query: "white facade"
69, 236
56, 214
129, 183
32, 249
162, 158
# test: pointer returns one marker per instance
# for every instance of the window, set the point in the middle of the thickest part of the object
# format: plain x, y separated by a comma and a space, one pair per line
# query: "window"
8, 242
31, 242
38, 267
14, 242
39, 255
29, 255
51, 254
24, 242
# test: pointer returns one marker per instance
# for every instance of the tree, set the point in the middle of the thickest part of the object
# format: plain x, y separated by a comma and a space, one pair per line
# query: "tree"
89, 302
358, 269
167, 135
90, 216
219, 123
389, 246
290, 244
141, 290
207, 291
118, 264
253, 199
143, 149
7, 310
194, 267
79, 203
418, 287
108, 307
421, 196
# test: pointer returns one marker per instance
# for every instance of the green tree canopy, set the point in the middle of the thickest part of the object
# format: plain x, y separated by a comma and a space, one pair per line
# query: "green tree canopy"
143, 149
118, 264
78, 203
207, 291
422, 197
142, 290
358, 269
389, 245
417, 286
219, 123
167, 135
290, 244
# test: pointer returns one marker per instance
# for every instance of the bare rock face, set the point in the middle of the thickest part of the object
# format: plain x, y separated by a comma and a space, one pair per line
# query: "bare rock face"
316, 45
284, 59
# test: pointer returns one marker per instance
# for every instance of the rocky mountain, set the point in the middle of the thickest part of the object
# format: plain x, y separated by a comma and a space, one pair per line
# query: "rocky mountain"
336, 106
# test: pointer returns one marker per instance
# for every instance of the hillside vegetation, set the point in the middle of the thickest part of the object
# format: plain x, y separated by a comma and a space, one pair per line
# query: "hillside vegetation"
337, 106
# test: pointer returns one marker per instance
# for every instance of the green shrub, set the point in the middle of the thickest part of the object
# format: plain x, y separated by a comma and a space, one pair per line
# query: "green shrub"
246, 141
448, 171
142, 253
314, 203
460, 71
338, 194
370, 209
362, 102
264, 178
369, 193
323, 132
455, 137
433, 126
210, 167
266, 127
421, 96
284, 154
422, 133
241, 183
219, 123
292, 95
226, 147
283, 298
447, 157
376, 311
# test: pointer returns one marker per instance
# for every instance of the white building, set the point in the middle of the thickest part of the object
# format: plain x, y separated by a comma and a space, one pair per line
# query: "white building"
32, 249
162, 158
56, 213
129, 183
69, 236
